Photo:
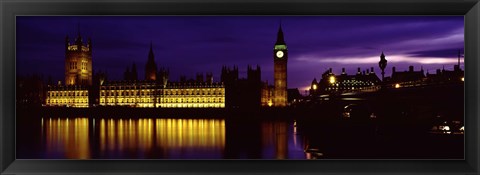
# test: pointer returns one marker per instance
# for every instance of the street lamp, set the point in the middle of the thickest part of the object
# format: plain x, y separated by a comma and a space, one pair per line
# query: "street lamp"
382, 64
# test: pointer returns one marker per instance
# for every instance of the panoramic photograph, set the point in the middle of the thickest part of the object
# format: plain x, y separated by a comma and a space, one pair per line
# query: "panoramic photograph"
240, 87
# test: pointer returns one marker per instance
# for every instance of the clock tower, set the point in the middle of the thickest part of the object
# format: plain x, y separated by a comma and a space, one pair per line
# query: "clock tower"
280, 58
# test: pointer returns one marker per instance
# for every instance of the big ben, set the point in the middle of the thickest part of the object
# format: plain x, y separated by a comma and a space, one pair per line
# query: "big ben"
280, 58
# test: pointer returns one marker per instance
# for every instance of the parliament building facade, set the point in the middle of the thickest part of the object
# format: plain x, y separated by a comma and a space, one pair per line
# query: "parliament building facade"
154, 91
78, 76
83, 88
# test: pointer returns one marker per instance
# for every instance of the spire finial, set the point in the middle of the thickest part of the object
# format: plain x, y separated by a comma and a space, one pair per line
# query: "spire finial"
150, 53
280, 39
280, 25
78, 40
151, 45
78, 30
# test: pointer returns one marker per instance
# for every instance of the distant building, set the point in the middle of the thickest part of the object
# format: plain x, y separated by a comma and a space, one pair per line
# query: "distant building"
94, 92
157, 92
78, 62
78, 77
412, 78
280, 59
151, 66
152, 94
154, 91
293, 96
267, 95
69, 96
241, 92
408, 78
335, 84
445, 76
131, 75
30, 90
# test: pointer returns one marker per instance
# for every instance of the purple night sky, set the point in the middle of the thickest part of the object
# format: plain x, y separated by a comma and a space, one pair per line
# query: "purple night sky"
190, 44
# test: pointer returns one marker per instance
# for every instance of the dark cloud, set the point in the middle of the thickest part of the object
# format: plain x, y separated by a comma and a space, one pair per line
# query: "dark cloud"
446, 53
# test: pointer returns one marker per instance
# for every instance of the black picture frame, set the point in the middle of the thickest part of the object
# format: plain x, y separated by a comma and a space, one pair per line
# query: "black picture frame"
9, 9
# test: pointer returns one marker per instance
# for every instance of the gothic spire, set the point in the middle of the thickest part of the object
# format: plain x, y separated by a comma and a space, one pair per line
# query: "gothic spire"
280, 39
78, 30
150, 54
150, 67
79, 36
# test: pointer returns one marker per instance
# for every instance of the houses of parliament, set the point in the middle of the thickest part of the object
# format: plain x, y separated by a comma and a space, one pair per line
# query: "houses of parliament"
83, 88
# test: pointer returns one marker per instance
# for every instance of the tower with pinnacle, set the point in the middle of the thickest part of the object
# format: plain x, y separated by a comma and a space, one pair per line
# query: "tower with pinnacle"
78, 61
151, 66
280, 58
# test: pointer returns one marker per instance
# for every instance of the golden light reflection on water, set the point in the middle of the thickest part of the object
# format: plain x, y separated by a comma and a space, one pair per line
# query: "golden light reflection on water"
147, 135
68, 138
188, 133
126, 134
274, 134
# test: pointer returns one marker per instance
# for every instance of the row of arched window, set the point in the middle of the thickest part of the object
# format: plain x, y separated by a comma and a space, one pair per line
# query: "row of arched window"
166, 92
67, 94
166, 100
66, 101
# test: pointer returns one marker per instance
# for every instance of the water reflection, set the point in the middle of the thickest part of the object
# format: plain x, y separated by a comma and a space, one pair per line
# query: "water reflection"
280, 140
275, 135
161, 138
133, 138
117, 135
189, 133
167, 138
67, 138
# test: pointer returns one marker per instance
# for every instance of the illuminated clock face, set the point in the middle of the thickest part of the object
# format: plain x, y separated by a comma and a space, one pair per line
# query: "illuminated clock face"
279, 54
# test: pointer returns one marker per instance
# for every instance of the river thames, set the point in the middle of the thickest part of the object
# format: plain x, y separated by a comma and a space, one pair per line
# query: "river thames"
406, 124
75, 137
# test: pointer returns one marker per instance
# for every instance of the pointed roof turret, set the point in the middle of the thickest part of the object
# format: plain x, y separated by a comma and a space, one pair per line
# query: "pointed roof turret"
79, 36
280, 38
150, 54
150, 67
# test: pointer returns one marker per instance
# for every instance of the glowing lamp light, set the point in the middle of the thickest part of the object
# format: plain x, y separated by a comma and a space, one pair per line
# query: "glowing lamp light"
332, 79
445, 128
463, 78
314, 87
270, 103
397, 85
